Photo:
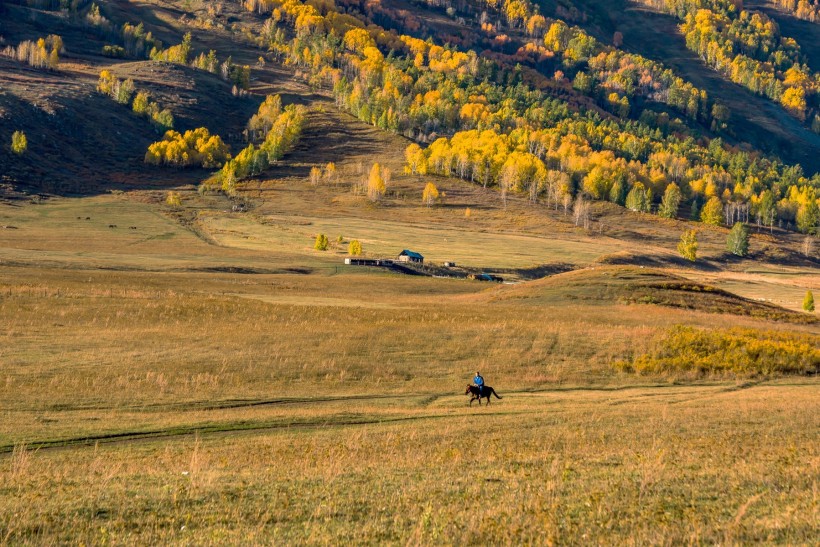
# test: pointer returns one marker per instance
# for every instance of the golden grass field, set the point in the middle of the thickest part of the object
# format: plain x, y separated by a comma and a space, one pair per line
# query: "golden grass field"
209, 378
197, 376
201, 376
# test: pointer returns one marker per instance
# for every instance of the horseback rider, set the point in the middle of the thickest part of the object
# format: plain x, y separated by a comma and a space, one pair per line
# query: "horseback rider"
478, 382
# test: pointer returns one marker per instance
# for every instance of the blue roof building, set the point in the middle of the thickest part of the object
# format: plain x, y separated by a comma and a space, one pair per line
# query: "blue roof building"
410, 256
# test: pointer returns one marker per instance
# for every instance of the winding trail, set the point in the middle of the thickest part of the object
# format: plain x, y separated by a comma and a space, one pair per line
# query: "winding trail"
448, 406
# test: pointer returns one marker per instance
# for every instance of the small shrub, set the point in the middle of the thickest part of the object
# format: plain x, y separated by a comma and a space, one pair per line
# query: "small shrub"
173, 199
355, 248
808, 302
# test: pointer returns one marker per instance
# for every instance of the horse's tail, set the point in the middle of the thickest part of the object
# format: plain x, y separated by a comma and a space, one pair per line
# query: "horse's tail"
497, 396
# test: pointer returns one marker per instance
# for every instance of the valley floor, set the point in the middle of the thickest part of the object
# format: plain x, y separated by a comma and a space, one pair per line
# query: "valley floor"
219, 381
200, 374
719, 463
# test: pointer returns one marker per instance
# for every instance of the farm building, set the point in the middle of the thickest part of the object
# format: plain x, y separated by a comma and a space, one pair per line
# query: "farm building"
361, 262
410, 256
355, 261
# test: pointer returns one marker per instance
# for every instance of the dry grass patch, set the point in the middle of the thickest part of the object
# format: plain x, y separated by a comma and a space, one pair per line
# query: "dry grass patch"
675, 465
634, 285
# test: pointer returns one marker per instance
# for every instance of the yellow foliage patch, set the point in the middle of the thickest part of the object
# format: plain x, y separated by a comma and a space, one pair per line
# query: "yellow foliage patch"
739, 352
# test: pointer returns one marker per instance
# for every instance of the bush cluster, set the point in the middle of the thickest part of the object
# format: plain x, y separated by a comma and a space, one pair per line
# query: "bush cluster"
193, 148
737, 352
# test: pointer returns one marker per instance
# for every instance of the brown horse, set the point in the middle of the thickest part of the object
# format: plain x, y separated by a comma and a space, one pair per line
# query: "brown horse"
486, 391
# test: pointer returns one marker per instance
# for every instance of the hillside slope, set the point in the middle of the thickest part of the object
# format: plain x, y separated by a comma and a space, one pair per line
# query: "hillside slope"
756, 121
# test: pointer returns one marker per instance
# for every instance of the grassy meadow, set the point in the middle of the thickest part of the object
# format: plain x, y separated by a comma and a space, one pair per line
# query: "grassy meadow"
201, 375
208, 378
673, 464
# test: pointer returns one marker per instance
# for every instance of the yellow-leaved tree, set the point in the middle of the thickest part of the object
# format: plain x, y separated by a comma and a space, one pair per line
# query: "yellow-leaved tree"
330, 173
322, 243
712, 212
688, 246
416, 160
375, 184
794, 100
430, 194
315, 175
19, 143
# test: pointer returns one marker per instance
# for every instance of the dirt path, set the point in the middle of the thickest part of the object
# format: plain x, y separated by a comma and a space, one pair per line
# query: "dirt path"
514, 402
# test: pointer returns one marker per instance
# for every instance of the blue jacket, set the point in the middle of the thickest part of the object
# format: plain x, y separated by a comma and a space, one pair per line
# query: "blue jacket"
479, 381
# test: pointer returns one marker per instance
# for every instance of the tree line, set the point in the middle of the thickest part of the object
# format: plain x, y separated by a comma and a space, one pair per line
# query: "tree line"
277, 130
613, 77
122, 92
499, 131
808, 10
748, 48
134, 41
44, 53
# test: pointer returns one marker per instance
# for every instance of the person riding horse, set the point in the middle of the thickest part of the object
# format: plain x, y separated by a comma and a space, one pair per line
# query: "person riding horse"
479, 389
478, 382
